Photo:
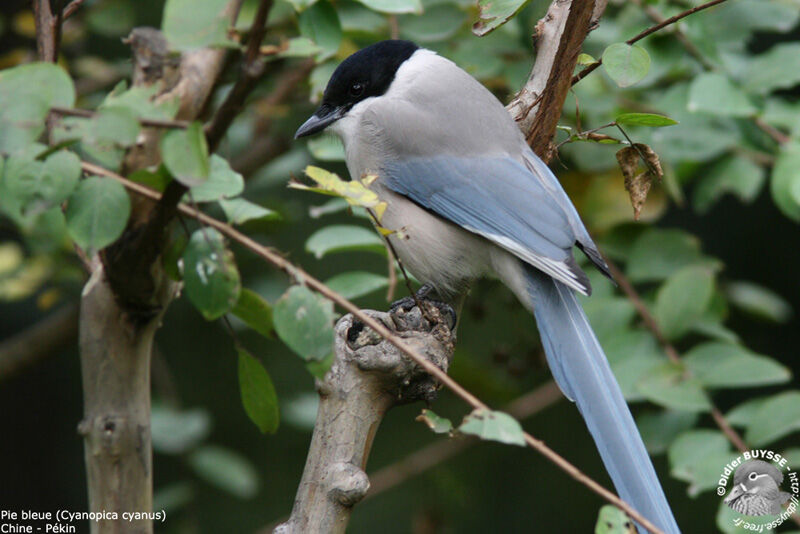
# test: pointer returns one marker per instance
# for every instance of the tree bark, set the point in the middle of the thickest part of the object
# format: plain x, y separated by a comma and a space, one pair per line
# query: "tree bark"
559, 37
368, 377
123, 302
115, 367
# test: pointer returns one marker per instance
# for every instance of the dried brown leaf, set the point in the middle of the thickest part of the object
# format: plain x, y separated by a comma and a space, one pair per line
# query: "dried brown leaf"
637, 183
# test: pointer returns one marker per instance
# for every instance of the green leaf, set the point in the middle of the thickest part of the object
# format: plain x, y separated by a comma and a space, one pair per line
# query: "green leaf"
669, 386
341, 238
697, 457
185, 154
192, 24
439, 425
356, 18
775, 418
778, 68
682, 299
493, 426
714, 93
178, 431
222, 182
225, 469
300, 47
300, 5
723, 365
259, 398
612, 520
326, 148
156, 179
254, 311
785, 181
742, 415
733, 174
304, 321
320, 23
354, 284
318, 369
394, 6
608, 316
97, 213
657, 253
239, 211
494, 13
659, 429
37, 185
632, 355
438, 23
626, 64
758, 301
139, 100
27, 92
644, 119
210, 274
117, 125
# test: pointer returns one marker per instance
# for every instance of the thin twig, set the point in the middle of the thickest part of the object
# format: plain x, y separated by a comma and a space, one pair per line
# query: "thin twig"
252, 69
153, 123
652, 29
652, 325
71, 8
775, 134
297, 273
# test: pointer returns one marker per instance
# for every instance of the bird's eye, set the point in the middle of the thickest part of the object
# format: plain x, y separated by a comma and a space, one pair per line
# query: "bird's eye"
357, 89
753, 476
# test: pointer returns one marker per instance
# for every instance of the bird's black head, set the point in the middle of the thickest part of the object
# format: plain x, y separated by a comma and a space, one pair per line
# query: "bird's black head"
369, 72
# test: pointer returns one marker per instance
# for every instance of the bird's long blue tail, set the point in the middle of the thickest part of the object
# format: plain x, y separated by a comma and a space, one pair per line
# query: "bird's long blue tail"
581, 370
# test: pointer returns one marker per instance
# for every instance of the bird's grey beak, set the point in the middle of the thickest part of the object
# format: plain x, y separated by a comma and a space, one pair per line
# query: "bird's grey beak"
735, 493
321, 119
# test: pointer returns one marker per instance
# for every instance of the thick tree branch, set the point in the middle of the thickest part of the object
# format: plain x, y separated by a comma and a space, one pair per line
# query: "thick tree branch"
559, 38
369, 376
124, 300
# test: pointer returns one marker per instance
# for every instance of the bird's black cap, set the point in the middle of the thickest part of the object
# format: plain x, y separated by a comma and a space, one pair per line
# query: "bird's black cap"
366, 73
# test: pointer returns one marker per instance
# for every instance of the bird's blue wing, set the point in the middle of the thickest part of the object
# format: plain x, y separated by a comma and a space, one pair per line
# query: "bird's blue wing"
499, 199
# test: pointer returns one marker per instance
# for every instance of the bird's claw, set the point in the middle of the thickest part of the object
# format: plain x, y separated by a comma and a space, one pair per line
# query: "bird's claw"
422, 297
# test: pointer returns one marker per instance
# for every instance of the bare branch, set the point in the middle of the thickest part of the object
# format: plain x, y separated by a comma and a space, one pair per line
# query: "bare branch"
252, 69
368, 377
279, 261
71, 8
152, 123
39, 340
559, 37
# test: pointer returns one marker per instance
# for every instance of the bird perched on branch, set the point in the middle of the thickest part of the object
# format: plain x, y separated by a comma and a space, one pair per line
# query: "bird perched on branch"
756, 489
472, 200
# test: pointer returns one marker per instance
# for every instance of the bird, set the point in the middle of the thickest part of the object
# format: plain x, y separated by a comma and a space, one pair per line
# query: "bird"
470, 199
756, 489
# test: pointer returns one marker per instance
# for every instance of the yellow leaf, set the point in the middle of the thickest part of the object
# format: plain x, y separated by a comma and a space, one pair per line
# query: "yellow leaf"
354, 192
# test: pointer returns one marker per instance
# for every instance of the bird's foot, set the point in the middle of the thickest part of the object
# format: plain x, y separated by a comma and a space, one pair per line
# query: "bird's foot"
422, 299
